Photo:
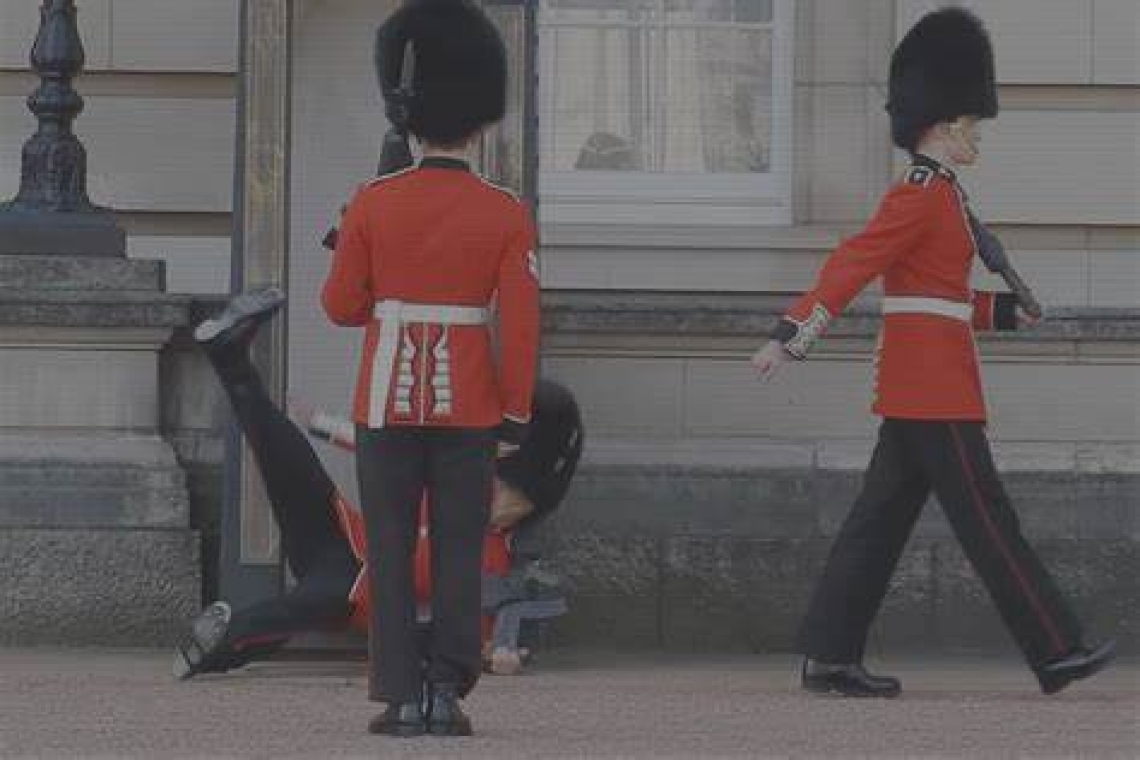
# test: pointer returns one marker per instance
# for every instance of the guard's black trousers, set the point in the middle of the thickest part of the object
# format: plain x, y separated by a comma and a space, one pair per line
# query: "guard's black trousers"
953, 459
396, 465
301, 494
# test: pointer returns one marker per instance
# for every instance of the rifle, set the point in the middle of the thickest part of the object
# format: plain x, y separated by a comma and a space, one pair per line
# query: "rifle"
992, 253
395, 152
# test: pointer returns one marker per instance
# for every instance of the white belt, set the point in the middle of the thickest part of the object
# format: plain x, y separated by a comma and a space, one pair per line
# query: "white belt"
393, 315
922, 305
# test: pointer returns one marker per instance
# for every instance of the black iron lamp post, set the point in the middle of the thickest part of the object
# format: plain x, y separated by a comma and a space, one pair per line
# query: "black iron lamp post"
51, 214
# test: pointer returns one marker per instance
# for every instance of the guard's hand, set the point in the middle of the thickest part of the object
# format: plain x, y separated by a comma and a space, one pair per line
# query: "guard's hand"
510, 435
768, 360
298, 410
506, 449
1027, 320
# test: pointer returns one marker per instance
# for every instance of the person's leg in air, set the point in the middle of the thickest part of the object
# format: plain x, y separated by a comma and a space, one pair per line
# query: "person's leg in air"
302, 497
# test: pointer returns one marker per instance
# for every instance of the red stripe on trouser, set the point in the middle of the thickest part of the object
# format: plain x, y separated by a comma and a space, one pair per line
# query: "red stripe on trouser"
995, 534
252, 641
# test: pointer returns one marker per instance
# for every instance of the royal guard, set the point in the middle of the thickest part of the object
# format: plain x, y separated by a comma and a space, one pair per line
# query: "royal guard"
427, 261
921, 242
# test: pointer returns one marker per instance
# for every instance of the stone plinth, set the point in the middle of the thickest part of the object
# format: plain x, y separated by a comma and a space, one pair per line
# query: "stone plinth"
95, 539
685, 550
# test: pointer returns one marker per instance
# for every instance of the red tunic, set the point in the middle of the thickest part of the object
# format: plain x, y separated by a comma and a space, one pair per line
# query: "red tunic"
919, 241
444, 246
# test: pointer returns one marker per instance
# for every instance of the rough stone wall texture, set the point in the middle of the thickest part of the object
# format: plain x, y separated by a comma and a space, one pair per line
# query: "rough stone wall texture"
104, 587
96, 542
649, 565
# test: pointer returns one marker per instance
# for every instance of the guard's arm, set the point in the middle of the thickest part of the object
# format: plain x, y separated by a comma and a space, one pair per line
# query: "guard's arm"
994, 311
897, 227
347, 294
518, 317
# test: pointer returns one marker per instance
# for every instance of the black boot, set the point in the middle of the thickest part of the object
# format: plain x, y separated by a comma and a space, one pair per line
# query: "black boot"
1078, 664
227, 336
203, 649
850, 680
445, 716
399, 719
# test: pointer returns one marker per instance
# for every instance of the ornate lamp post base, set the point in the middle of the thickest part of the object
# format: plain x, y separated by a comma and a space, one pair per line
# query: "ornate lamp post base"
52, 214
55, 233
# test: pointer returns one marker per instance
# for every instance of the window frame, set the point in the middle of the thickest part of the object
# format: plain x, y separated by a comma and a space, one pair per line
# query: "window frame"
679, 198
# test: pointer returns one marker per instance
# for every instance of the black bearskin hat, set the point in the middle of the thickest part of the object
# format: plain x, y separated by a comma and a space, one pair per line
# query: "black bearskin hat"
544, 466
943, 69
460, 75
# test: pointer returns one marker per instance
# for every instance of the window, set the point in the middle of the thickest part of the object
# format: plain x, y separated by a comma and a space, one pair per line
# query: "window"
665, 111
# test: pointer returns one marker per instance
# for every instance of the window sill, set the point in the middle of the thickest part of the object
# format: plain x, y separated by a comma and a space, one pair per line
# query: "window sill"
751, 314
808, 238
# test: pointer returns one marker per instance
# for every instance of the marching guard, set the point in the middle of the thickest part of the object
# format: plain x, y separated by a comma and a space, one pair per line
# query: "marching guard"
922, 242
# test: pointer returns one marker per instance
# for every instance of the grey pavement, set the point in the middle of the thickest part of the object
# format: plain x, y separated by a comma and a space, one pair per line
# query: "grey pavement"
97, 703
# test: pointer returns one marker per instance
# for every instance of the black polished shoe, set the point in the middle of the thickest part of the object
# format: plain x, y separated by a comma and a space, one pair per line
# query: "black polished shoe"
1078, 664
404, 719
202, 648
235, 327
445, 716
850, 680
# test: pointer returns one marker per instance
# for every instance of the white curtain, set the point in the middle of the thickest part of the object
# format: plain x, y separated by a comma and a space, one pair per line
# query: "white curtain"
646, 85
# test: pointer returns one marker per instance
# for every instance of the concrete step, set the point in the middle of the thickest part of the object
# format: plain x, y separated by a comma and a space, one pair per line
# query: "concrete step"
90, 481
81, 273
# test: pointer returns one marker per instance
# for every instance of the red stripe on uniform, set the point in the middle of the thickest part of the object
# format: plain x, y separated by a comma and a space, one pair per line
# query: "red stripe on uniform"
265, 638
995, 534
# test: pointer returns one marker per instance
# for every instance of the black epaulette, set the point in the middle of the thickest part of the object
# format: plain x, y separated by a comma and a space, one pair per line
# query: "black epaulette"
924, 169
920, 175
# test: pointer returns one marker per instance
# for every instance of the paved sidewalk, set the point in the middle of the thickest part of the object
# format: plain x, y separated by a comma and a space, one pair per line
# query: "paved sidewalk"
79, 703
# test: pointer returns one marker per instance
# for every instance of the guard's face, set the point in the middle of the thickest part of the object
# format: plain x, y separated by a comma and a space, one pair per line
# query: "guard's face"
961, 138
509, 506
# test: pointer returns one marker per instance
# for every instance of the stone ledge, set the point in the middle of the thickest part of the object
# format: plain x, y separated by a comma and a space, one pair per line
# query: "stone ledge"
755, 453
74, 480
66, 495
734, 593
19, 445
736, 315
81, 273
637, 499
811, 238
106, 308
724, 454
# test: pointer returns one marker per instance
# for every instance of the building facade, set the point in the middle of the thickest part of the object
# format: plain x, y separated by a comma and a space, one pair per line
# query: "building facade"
697, 160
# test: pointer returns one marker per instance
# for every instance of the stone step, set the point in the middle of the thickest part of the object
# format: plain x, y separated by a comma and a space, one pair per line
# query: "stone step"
748, 315
746, 453
620, 498
81, 273
94, 308
90, 481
